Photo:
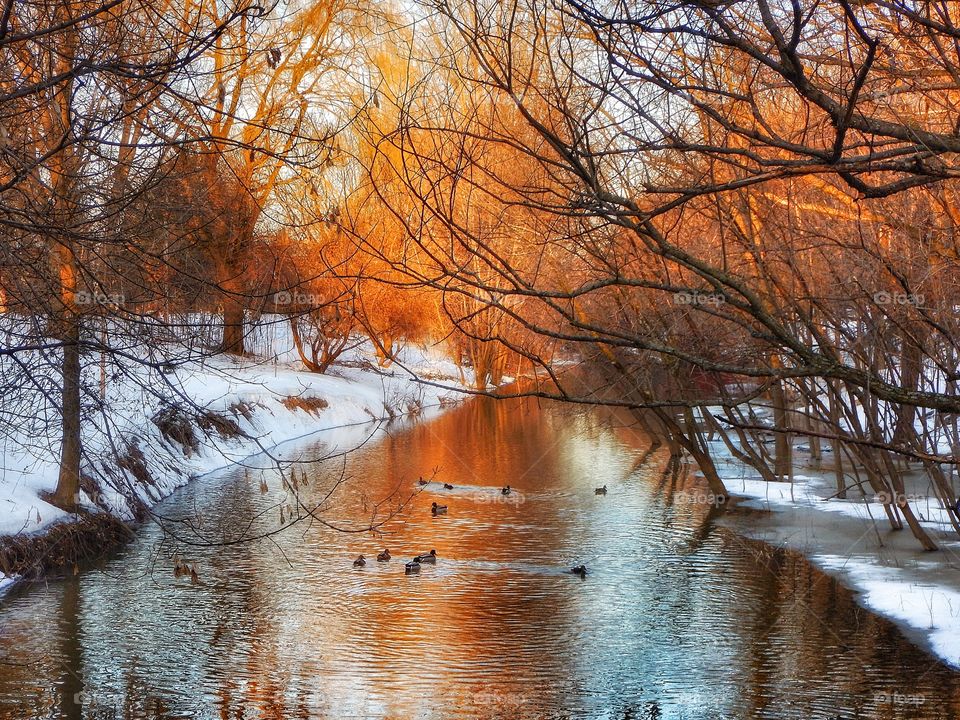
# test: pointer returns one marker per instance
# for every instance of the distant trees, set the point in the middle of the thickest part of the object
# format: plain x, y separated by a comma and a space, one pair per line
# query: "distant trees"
143, 151
79, 88
700, 198
264, 128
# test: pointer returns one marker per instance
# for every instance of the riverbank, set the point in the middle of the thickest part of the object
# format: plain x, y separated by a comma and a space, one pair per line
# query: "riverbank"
145, 447
850, 539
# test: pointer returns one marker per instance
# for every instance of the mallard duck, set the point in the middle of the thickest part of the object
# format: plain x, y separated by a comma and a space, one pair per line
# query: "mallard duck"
430, 557
600, 490
447, 486
411, 567
438, 509
179, 566
359, 562
580, 570
506, 490
423, 482
384, 556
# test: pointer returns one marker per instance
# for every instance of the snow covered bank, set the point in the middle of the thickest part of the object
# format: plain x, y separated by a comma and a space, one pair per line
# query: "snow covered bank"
851, 540
143, 448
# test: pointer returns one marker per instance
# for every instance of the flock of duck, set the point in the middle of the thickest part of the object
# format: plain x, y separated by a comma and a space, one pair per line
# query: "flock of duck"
413, 567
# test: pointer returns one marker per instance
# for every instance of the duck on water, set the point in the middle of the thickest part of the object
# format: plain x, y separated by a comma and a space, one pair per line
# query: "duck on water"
430, 557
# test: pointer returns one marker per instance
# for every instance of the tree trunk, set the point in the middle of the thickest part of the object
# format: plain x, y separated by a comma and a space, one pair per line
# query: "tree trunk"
646, 429
233, 335
784, 459
308, 363
383, 345
836, 445
67, 493
746, 455
911, 367
690, 438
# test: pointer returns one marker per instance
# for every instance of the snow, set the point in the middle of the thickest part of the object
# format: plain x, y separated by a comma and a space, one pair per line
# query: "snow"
851, 540
6, 583
354, 395
929, 607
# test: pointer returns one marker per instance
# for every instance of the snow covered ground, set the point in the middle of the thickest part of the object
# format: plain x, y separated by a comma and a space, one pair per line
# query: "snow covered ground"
851, 540
269, 399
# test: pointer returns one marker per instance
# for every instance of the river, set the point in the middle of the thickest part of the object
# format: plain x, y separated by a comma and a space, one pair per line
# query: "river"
676, 618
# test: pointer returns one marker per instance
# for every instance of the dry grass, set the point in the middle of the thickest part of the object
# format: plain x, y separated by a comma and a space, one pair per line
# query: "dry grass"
63, 547
312, 405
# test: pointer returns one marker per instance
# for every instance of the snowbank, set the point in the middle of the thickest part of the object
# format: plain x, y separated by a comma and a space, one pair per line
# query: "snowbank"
269, 402
851, 540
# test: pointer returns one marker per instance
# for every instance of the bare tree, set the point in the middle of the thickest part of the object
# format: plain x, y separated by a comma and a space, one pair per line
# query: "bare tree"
701, 191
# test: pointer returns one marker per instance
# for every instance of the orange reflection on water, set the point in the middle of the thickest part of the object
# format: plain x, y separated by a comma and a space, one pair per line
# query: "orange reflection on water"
676, 615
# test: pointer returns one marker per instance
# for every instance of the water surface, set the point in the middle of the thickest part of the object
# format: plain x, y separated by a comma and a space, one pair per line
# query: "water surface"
677, 618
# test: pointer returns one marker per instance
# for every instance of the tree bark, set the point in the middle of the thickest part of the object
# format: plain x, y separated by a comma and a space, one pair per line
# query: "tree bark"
781, 421
67, 493
233, 334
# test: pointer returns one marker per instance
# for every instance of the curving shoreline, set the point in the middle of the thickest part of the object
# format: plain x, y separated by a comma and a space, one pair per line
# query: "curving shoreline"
250, 406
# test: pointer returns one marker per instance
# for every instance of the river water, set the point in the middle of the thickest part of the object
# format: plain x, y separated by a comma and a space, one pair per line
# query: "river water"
676, 618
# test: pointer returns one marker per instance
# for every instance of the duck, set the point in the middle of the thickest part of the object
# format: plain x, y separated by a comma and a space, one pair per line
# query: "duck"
181, 567
430, 557
178, 566
411, 567
600, 490
423, 482
447, 486
580, 570
384, 556
438, 509
506, 490
359, 562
